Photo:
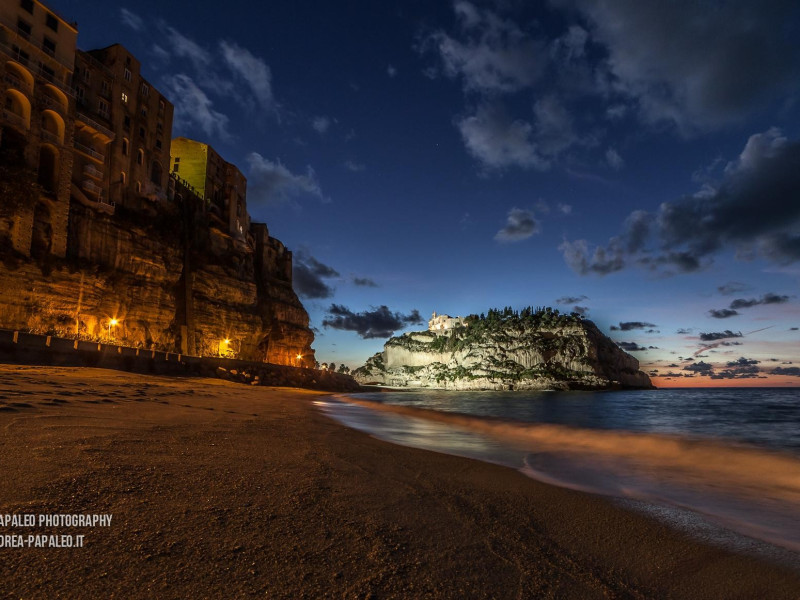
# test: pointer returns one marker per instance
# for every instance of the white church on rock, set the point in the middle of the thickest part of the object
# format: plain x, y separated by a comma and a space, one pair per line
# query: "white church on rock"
444, 322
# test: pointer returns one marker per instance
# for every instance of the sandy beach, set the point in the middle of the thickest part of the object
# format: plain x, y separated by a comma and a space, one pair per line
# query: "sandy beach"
221, 490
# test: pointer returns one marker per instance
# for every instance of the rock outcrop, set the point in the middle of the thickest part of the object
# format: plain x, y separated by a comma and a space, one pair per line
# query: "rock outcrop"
531, 350
167, 279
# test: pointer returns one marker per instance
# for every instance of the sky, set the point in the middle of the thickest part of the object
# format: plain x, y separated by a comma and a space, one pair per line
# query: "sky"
635, 160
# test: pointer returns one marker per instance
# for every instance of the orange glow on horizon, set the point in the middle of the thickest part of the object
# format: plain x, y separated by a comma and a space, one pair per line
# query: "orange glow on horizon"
706, 382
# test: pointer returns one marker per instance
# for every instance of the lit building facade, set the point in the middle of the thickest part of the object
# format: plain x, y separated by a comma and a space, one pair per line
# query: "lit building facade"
37, 119
221, 184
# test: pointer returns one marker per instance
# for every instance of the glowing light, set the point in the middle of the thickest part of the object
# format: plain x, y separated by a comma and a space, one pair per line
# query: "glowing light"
299, 356
226, 341
113, 322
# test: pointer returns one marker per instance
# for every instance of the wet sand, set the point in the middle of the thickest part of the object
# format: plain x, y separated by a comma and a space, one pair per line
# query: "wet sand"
220, 490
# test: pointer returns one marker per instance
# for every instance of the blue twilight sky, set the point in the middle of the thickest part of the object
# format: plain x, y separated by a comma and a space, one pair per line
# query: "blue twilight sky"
638, 159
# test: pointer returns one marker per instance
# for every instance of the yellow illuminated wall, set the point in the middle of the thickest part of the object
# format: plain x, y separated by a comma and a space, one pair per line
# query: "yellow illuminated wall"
192, 162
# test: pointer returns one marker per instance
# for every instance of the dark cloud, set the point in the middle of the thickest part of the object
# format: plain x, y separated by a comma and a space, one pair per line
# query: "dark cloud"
571, 299
581, 310
722, 313
683, 331
753, 209
364, 282
691, 65
631, 325
272, 183
377, 323
719, 335
520, 225
631, 347
793, 329
733, 287
790, 371
307, 277
768, 298
743, 362
700, 367
743, 368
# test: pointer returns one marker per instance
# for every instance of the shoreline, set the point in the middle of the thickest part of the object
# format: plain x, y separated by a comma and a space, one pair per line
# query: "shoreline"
223, 490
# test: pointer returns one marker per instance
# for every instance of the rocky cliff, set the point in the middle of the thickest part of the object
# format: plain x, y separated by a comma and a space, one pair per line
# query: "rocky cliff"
166, 279
531, 350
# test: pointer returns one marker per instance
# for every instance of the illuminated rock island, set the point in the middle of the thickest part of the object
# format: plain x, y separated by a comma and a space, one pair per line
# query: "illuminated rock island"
533, 349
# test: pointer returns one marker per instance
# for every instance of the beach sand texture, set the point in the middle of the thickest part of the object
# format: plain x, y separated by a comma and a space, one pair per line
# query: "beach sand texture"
220, 490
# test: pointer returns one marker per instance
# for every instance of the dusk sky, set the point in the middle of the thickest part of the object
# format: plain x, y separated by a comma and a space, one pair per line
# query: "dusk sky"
638, 160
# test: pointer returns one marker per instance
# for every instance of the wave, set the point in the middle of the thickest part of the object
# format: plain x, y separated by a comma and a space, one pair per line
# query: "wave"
748, 489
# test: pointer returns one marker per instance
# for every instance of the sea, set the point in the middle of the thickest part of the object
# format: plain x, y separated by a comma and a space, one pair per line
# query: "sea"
722, 463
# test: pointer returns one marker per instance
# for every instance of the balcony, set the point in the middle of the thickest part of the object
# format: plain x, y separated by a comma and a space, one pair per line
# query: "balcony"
91, 187
93, 171
56, 82
26, 39
82, 119
16, 120
53, 104
90, 152
51, 137
18, 83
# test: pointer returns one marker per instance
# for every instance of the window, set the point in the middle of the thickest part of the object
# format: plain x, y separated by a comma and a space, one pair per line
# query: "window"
24, 28
124, 97
143, 111
145, 90
102, 108
140, 157
27, 5
104, 87
125, 146
138, 187
127, 74
141, 132
47, 71
158, 144
122, 177
19, 54
79, 92
49, 46
176, 168
161, 106
86, 75
155, 173
126, 123
51, 22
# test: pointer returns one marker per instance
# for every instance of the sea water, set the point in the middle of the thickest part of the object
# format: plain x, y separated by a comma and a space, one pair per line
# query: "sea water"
729, 456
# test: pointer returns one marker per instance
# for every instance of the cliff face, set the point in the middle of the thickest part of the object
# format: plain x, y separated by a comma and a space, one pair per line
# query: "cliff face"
169, 280
534, 351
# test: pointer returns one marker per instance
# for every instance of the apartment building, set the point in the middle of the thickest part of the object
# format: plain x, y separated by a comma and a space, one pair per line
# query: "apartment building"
220, 183
134, 149
37, 48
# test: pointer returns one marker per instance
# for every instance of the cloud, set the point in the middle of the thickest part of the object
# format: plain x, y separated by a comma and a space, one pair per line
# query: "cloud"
719, 335
790, 371
752, 209
683, 331
691, 65
321, 124
554, 130
184, 47
272, 183
581, 310
631, 325
631, 347
130, 19
699, 367
743, 368
614, 160
250, 69
564, 209
497, 142
308, 276
571, 299
722, 313
520, 225
364, 282
353, 166
391, 71
490, 54
732, 287
194, 108
377, 323
768, 298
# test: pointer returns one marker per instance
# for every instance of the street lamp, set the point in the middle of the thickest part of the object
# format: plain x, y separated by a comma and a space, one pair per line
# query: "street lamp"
112, 322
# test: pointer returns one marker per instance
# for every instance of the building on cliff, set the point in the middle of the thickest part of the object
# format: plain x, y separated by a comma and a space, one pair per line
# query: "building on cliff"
38, 48
219, 183
98, 240
123, 130
444, 322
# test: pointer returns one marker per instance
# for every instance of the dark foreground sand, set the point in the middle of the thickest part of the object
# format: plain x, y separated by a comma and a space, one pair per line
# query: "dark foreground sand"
219, 490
